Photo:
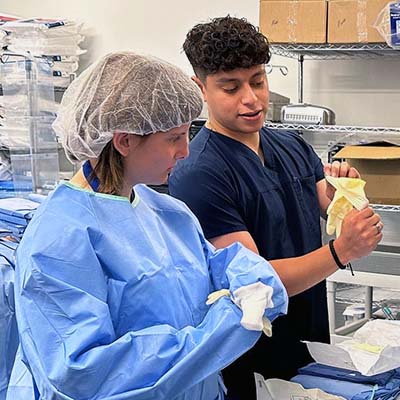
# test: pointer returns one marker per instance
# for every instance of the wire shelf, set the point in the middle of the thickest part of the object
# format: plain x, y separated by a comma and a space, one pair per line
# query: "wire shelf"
334, 128
335, 51
386, 207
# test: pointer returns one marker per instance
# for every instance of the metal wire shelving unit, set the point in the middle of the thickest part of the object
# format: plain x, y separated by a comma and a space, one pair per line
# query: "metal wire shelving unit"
386, 207
381, 268
303, 52
335, 128
335, 51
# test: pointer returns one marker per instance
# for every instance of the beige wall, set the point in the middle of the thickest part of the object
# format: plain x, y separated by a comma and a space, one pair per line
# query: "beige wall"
360, 92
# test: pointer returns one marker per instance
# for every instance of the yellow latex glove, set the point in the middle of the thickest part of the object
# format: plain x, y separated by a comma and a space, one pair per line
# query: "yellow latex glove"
349, 193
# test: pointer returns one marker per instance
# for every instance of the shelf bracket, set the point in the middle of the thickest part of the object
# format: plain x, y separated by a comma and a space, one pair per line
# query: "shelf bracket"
300, 71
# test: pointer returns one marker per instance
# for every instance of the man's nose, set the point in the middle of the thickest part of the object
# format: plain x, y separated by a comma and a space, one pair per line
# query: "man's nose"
248, 95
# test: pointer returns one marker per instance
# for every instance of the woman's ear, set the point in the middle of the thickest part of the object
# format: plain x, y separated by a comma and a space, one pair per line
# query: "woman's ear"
122, 142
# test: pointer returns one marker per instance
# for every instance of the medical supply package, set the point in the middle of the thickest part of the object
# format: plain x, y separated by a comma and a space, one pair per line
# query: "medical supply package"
374, 348
278, 389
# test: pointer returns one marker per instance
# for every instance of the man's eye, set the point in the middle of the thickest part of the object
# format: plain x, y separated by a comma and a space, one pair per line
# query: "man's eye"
230, 90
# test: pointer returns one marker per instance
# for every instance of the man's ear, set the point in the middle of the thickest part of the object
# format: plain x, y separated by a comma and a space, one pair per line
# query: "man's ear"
201, 85
122, 143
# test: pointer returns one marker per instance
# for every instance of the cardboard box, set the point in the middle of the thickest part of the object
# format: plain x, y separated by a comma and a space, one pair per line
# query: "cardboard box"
286, 0
352, 21
379, 165
288, 21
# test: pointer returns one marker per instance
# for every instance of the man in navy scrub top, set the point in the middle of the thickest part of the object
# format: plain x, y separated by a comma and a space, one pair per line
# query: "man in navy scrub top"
266, 189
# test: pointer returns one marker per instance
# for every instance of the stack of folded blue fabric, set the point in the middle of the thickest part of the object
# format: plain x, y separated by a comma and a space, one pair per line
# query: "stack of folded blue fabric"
349, 384
15, 214
7, 188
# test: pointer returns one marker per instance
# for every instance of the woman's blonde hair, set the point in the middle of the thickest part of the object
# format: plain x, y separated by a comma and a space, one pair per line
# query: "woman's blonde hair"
109, 170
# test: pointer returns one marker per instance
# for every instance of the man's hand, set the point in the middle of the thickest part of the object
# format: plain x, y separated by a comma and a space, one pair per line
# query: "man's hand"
338, 170
361, 232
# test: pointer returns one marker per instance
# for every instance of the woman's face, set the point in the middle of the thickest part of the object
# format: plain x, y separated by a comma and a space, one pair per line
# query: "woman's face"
152, 157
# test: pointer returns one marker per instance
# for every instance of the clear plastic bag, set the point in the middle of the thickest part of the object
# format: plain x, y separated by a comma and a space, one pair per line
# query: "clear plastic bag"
388, 24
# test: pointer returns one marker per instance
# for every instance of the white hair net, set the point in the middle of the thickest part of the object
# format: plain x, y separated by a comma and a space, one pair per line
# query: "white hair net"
124, 92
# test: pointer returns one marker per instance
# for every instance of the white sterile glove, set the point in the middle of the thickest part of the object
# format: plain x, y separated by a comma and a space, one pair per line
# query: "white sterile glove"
253, 300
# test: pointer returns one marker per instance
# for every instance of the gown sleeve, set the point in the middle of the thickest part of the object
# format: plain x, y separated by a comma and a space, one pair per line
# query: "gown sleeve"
69, 341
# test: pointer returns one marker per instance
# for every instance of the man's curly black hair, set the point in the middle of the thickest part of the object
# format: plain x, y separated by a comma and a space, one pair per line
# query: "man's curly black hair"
224, 44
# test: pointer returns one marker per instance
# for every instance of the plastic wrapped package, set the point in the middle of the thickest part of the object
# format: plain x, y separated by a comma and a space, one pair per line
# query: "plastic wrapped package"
374, 349
278, 389
36, 172
17, 105
14, 137
17, 136
44, 37
388, 24
33, 155
38, 41
68, 67
43, 49
27, 87
42, 55
43, 28
26, 132
56, 62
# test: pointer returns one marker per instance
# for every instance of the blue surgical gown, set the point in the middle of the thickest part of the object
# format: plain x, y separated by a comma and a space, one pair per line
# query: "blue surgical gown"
110, 299
8, 325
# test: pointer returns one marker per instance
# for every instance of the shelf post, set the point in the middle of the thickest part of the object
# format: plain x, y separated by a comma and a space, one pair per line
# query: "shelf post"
300, 59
